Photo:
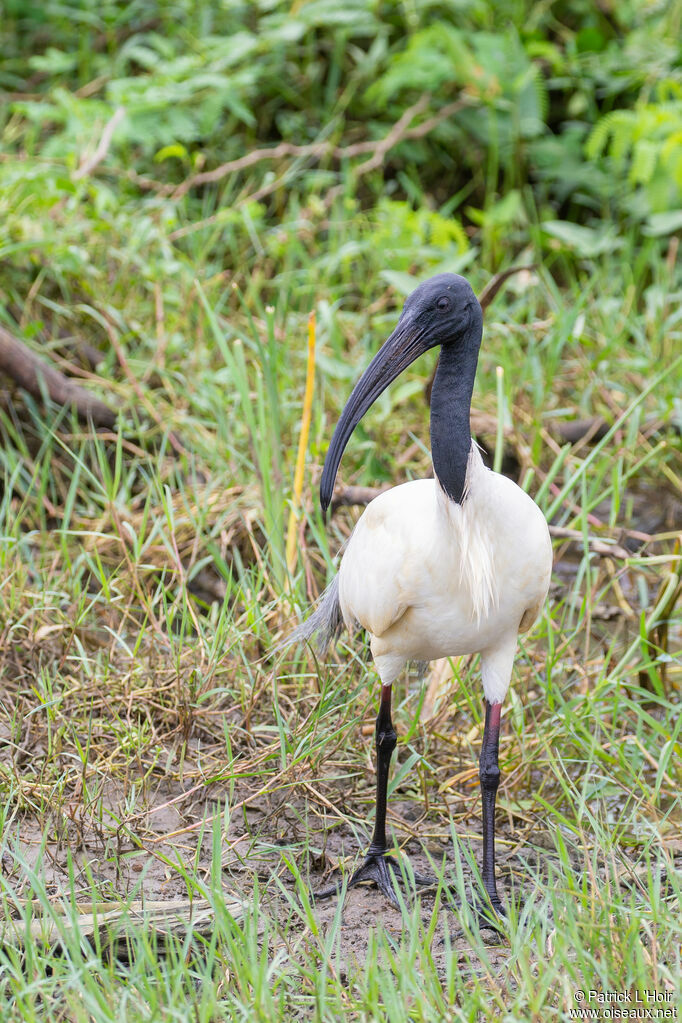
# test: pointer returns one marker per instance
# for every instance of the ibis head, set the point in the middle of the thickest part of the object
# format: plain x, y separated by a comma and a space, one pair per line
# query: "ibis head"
442, 311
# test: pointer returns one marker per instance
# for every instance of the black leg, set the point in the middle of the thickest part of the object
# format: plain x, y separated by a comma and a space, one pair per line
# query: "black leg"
489, 775
377, 866
383, 869
386, 741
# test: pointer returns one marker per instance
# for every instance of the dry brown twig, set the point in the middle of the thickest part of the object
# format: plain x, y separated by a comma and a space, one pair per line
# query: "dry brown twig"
87, 165
575, 430
400, 132
495, 283
349, 496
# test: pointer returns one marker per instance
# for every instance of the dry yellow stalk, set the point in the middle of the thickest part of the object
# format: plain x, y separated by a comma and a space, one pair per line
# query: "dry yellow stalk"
302, 446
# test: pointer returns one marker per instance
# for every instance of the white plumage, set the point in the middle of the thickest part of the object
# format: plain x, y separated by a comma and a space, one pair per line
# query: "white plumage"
429, 578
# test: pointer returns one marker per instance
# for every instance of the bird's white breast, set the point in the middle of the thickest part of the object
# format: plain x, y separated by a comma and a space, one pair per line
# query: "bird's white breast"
431, 578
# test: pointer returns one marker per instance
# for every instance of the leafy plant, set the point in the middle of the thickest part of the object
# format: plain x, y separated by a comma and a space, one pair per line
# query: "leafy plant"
646, 142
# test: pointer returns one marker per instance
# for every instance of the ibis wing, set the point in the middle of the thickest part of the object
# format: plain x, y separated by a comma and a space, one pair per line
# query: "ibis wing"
381, 574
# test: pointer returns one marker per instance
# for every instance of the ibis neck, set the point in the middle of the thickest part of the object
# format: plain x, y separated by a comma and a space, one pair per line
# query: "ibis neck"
450, 411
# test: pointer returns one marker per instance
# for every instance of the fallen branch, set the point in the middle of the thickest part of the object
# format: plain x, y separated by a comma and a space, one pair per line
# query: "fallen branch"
113, 925
34, 375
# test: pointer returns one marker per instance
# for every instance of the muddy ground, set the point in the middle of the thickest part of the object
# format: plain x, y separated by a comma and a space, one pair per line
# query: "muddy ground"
124, 839
266, 833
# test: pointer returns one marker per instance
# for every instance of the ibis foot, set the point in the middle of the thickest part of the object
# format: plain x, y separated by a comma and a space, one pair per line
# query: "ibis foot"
381, 870
489, 914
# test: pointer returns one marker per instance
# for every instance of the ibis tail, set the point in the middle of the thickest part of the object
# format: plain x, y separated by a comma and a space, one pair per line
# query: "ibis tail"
325, 623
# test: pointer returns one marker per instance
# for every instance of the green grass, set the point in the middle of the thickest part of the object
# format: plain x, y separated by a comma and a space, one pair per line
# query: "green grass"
151, 746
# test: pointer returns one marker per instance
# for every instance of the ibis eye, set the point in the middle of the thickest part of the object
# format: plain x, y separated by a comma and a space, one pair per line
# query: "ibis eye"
443, 302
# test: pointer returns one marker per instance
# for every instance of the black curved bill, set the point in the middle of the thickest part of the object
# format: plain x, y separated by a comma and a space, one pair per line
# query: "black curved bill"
405, 344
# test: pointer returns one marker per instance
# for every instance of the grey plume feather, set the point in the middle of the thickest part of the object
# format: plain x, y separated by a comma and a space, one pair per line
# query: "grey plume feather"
325, 622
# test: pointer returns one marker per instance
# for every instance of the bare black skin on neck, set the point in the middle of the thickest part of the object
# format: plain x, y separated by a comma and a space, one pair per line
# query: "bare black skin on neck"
451, 407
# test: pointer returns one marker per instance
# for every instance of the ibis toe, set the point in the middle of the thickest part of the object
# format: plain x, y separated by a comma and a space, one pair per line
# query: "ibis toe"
381, 870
